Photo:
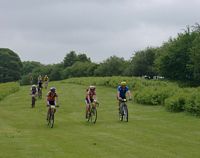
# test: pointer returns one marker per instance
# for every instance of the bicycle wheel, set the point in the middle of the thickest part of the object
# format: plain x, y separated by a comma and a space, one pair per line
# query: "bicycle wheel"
121, 112
93, 115
33, 102
125, 112
40, 94
51, 120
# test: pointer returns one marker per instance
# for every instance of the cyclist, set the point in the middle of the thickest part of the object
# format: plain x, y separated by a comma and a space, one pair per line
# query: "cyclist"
52, 99
33, 92
39, 86
46, 81
31, 78
121, 92
90, 98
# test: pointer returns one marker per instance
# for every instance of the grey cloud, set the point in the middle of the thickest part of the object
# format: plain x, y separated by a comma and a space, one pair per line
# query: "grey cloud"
100, 28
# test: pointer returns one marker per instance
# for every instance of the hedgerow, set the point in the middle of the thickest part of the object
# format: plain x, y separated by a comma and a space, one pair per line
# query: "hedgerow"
151, 92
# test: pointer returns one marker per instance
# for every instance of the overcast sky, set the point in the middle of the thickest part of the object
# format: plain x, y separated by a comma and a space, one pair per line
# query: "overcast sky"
45, 30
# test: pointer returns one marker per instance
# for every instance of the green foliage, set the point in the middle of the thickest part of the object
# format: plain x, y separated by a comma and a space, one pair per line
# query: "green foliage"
8, 88
111, 67
71, 58
10, 65
29, 66
175, 103
152, 95
142, 63
151, 92
178, 59
193, 104
80, 69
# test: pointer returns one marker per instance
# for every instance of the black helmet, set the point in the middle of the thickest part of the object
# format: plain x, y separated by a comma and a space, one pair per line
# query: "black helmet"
52, 89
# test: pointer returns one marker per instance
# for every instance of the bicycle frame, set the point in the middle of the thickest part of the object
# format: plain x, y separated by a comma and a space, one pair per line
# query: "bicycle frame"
123, 110
92, 114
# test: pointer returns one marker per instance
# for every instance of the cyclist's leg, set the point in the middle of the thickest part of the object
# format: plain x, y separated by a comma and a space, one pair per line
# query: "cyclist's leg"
87, 109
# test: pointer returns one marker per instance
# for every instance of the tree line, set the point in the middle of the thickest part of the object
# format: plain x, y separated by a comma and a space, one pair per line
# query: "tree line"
177, 59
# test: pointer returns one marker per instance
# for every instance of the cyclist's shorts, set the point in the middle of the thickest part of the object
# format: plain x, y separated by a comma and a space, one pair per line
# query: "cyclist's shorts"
33, 92
52, 103
87, 101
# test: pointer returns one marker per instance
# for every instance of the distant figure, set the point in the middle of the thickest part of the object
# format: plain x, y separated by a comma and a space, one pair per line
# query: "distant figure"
40, 81
31, 78
46, 81
33, 95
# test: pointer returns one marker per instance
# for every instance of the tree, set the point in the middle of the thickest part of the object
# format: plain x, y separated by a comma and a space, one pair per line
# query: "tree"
83, 58
29, 66
142, 63
10, 65
70, 59
113, 66
175, 56
80, 69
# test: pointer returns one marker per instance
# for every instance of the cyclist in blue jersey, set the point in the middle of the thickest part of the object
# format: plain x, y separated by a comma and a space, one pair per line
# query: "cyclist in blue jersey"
122, 90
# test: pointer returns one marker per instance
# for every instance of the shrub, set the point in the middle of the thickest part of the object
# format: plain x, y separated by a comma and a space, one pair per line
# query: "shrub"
175, 103
193, 104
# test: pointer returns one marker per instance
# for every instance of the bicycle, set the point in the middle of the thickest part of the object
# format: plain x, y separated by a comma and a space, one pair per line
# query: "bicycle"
123, 110
51, 115
92, 113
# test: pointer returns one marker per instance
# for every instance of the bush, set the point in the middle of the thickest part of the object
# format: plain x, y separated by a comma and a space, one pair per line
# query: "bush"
175, 103
193, 104
151, 92
152, 95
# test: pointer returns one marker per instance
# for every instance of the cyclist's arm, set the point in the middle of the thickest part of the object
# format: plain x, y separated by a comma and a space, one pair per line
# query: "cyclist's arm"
118, 95
56, 100
129, 94
95, 97
88, 97
47, 99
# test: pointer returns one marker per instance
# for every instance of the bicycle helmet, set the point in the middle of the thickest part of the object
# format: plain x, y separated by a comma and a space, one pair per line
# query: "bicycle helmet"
34, 86
92, 87
123, 83
52, 89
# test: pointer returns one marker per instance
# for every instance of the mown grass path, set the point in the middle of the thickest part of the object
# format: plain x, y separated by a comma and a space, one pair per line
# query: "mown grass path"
150, 133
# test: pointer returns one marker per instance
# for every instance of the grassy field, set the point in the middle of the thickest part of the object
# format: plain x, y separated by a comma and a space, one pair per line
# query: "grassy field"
150, 133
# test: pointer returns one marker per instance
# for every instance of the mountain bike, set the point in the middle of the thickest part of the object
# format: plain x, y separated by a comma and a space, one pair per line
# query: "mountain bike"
51, 115
123, 110
92, 113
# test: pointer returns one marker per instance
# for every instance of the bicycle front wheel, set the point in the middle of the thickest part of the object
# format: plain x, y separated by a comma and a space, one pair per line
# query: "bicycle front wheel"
93, 115
126, 113
51, 121
33, 102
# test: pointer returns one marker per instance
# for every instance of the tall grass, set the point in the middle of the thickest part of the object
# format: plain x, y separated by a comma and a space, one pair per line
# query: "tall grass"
8, 88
